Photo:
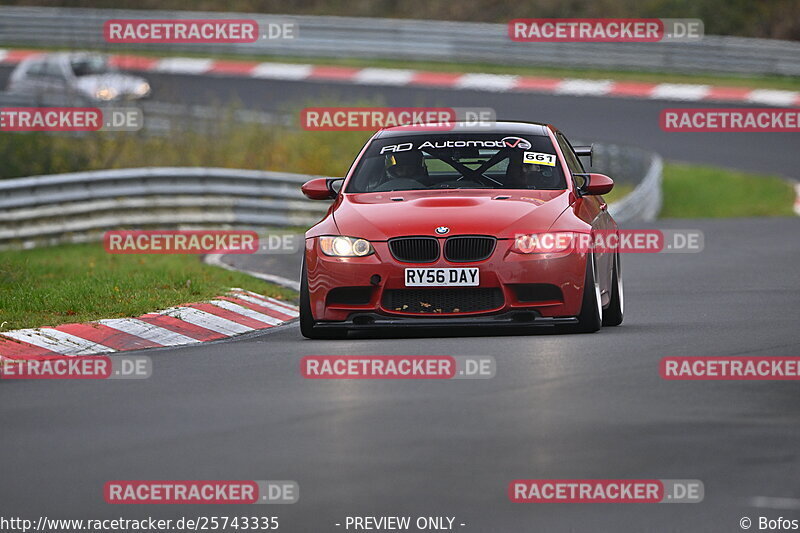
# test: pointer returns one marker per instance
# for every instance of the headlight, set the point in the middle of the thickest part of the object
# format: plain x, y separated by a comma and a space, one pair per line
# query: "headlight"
340, 246
106, 93
143, 89
545, 243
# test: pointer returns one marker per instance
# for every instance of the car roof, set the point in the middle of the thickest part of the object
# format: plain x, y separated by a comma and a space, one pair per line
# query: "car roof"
512, 127
64, 55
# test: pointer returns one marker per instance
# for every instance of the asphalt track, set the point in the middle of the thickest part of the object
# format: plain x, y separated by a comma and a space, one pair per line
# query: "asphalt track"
560, 406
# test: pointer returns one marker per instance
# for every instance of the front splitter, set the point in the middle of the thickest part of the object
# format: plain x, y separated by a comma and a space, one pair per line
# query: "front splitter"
514, 319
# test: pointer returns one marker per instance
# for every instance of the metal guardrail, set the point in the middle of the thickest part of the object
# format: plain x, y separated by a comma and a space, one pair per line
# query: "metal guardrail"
413, 40
629, 165
79, 207
644, 202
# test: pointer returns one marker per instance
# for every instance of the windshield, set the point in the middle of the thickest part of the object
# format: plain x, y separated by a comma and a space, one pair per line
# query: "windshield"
458, 161
89, 66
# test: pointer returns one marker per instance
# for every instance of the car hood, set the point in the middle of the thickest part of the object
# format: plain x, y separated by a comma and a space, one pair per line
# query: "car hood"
380, 216
123, 83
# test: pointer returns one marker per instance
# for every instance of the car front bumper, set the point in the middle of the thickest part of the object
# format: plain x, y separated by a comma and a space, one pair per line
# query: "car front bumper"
372, 276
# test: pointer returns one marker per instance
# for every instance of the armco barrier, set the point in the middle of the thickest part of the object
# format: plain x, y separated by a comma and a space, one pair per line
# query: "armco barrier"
644, 202
411, 40
78, 207
629, 165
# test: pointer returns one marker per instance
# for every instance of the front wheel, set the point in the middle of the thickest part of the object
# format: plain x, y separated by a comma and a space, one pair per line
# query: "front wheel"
591, 317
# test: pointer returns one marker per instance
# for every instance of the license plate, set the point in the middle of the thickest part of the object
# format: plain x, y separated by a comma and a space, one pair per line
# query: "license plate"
442, 277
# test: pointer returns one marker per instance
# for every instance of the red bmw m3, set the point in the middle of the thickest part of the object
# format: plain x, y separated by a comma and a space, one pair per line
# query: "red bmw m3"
465, 227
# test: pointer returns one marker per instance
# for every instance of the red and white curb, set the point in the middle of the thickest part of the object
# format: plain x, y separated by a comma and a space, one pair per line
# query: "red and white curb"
238, 312
452, 80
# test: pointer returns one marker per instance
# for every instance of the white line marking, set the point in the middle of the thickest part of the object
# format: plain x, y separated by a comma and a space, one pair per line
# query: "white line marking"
384, 76
216, 260
487, 82
58, 341
281, 71
246, 311
584, 87
207, 320
767, 502
797, 199
772, 97
184, 65
264, 303
680, 91
147, 331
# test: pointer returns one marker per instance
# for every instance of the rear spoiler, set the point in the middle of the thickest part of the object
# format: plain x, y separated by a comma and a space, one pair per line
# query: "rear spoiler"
585, 151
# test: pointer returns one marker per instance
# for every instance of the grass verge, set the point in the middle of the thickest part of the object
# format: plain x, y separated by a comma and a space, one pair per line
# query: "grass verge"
223, 144
81, 282
694, 191
619, 191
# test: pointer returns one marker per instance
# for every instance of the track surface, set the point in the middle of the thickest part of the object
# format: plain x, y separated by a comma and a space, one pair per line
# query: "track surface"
569, 406
561, 406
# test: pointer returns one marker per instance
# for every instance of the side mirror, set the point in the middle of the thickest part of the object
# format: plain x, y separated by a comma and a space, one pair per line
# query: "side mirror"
322, 188
336, 185
596, 184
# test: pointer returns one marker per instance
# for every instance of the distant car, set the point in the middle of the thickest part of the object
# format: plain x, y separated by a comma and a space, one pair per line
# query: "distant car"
83, 74
432, 229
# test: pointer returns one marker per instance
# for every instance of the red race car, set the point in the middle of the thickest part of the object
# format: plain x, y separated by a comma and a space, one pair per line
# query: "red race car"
472, 226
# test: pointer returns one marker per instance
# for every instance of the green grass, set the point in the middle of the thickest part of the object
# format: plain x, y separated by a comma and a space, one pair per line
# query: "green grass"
247, 146
790, 83
619, 191
81, 282
693, 191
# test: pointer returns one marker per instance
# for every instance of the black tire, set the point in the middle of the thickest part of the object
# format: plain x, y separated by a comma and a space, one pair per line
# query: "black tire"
613, 314
306, 319
590, 318
307, 322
